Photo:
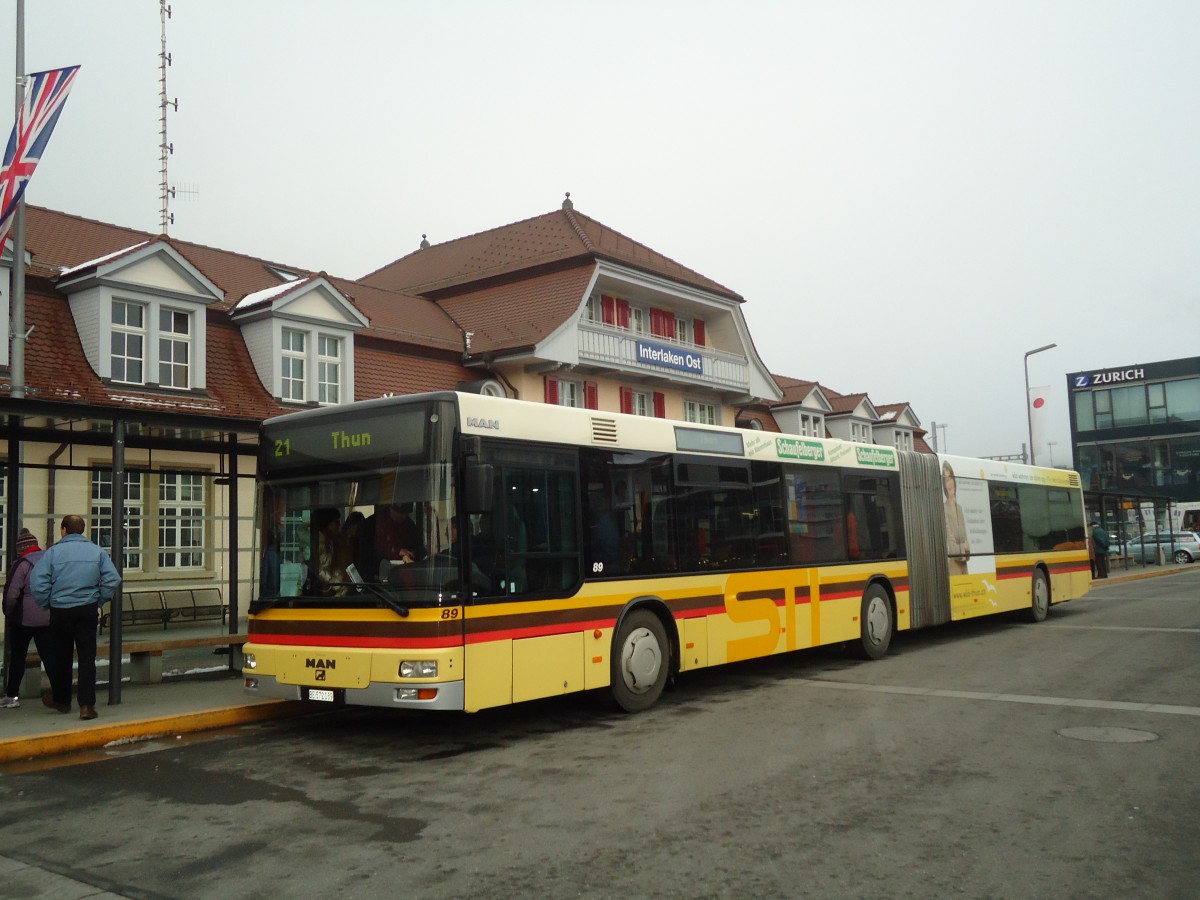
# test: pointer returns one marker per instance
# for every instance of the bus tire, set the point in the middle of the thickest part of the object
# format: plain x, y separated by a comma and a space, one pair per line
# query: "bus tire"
877, 624
1039, 604
640, 661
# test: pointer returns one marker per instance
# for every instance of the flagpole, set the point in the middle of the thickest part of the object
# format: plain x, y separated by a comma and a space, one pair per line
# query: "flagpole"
16, 345
17, 340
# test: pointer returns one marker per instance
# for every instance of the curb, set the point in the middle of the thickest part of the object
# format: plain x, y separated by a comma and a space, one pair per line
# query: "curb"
91, 738
1139, 576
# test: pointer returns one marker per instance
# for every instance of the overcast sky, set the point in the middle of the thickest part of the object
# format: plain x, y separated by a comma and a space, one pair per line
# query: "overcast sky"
909, 195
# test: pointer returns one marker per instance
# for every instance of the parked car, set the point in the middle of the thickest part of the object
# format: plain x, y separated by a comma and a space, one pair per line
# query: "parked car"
1185, 549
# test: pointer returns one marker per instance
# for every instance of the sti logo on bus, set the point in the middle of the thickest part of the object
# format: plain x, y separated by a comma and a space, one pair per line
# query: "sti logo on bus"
1112, 376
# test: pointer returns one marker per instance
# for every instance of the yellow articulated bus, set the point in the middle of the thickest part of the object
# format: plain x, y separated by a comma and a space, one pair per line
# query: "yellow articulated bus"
455, 551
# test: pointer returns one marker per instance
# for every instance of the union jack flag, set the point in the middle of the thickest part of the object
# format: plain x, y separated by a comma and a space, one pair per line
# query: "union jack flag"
44, 98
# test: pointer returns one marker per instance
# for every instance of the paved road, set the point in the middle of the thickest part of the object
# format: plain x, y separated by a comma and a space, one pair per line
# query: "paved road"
987, 759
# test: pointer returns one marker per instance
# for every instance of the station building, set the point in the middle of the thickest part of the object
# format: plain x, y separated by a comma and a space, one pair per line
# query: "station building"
151, 362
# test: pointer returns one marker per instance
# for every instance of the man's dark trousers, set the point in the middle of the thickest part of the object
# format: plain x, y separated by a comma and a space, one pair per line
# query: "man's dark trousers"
73, 631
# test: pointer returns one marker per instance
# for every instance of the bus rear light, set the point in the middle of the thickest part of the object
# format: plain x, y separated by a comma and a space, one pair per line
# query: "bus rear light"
252, 684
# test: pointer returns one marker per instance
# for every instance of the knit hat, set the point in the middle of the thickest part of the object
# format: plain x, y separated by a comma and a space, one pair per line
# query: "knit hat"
26, 541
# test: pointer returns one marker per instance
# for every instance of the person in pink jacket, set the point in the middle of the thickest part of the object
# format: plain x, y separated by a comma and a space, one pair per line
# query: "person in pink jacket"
24, 620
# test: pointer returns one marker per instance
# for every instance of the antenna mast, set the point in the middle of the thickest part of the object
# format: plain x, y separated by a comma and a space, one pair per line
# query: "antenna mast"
166, 192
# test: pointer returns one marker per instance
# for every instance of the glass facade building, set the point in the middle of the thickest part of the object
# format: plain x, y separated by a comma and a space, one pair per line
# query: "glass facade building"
1135, 430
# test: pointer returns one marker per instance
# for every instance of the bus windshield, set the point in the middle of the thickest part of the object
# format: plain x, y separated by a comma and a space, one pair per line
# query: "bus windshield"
359, 512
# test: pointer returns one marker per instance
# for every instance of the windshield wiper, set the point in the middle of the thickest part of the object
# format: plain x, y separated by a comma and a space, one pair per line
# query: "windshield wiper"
379, 592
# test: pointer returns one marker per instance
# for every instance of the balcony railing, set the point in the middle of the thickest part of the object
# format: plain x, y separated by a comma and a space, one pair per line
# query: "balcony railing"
617, 347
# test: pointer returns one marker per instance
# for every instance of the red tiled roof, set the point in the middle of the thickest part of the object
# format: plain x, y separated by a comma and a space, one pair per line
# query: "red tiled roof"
554, 238
794, 390
762, 416
518, 315
57, 368
60, 241
845, 403
379, 372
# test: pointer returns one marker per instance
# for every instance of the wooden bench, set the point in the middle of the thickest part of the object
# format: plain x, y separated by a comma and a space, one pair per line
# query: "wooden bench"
145, 657
166, 606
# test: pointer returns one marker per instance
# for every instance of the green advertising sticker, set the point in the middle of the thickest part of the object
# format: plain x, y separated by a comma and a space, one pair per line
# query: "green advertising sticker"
790, 448
876, 456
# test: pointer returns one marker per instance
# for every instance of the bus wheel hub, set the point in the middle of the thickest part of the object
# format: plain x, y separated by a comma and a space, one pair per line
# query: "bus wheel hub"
642, 659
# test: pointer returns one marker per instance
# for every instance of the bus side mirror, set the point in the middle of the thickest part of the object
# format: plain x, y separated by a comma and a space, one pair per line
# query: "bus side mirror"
480, 478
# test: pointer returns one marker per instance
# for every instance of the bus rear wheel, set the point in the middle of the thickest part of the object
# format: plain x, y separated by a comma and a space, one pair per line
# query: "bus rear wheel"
1039, 605
640, 660
877, 624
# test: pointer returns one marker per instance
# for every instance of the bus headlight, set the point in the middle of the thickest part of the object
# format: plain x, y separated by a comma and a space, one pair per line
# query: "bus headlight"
249, 662
421, 668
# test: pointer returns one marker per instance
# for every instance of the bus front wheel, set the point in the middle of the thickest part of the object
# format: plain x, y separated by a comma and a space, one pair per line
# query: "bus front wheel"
639, 661
877, 624
1039, 605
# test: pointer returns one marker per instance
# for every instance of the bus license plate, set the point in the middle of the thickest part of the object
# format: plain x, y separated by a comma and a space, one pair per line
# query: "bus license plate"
319, 694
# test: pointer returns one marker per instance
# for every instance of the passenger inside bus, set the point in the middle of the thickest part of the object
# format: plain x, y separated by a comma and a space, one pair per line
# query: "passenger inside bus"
321, 565
349, 552
395, 537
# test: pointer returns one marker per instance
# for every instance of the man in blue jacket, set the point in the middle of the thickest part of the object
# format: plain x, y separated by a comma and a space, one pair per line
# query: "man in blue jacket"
72, 579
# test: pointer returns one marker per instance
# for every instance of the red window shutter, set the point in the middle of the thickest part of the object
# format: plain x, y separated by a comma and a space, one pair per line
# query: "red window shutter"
552, 390
660, 405
662, 323
623, 313
698, 332
591, 395
608, 309
626, 400
656, 322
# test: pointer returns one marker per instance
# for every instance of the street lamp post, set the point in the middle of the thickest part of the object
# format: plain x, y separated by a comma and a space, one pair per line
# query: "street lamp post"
1028, 406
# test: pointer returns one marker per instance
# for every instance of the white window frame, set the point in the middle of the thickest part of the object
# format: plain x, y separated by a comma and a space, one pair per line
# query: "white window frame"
170, 343
127, 333
101, 489
289, 358
639, 319
683, 330
571, 393
701, 412
642, 403
329, 369
182, 522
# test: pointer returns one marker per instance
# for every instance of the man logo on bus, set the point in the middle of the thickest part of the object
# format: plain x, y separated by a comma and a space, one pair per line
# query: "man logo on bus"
318, 663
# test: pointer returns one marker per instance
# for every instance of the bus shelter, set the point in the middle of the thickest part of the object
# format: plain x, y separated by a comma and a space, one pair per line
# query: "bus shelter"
1127, 516
168, 495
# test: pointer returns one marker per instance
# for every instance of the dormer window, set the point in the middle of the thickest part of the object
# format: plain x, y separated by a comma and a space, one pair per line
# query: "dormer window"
139, 313
291, 367
174, 347
294, 367
283, 274
133, 332
128, 342
329, 367
301, 340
